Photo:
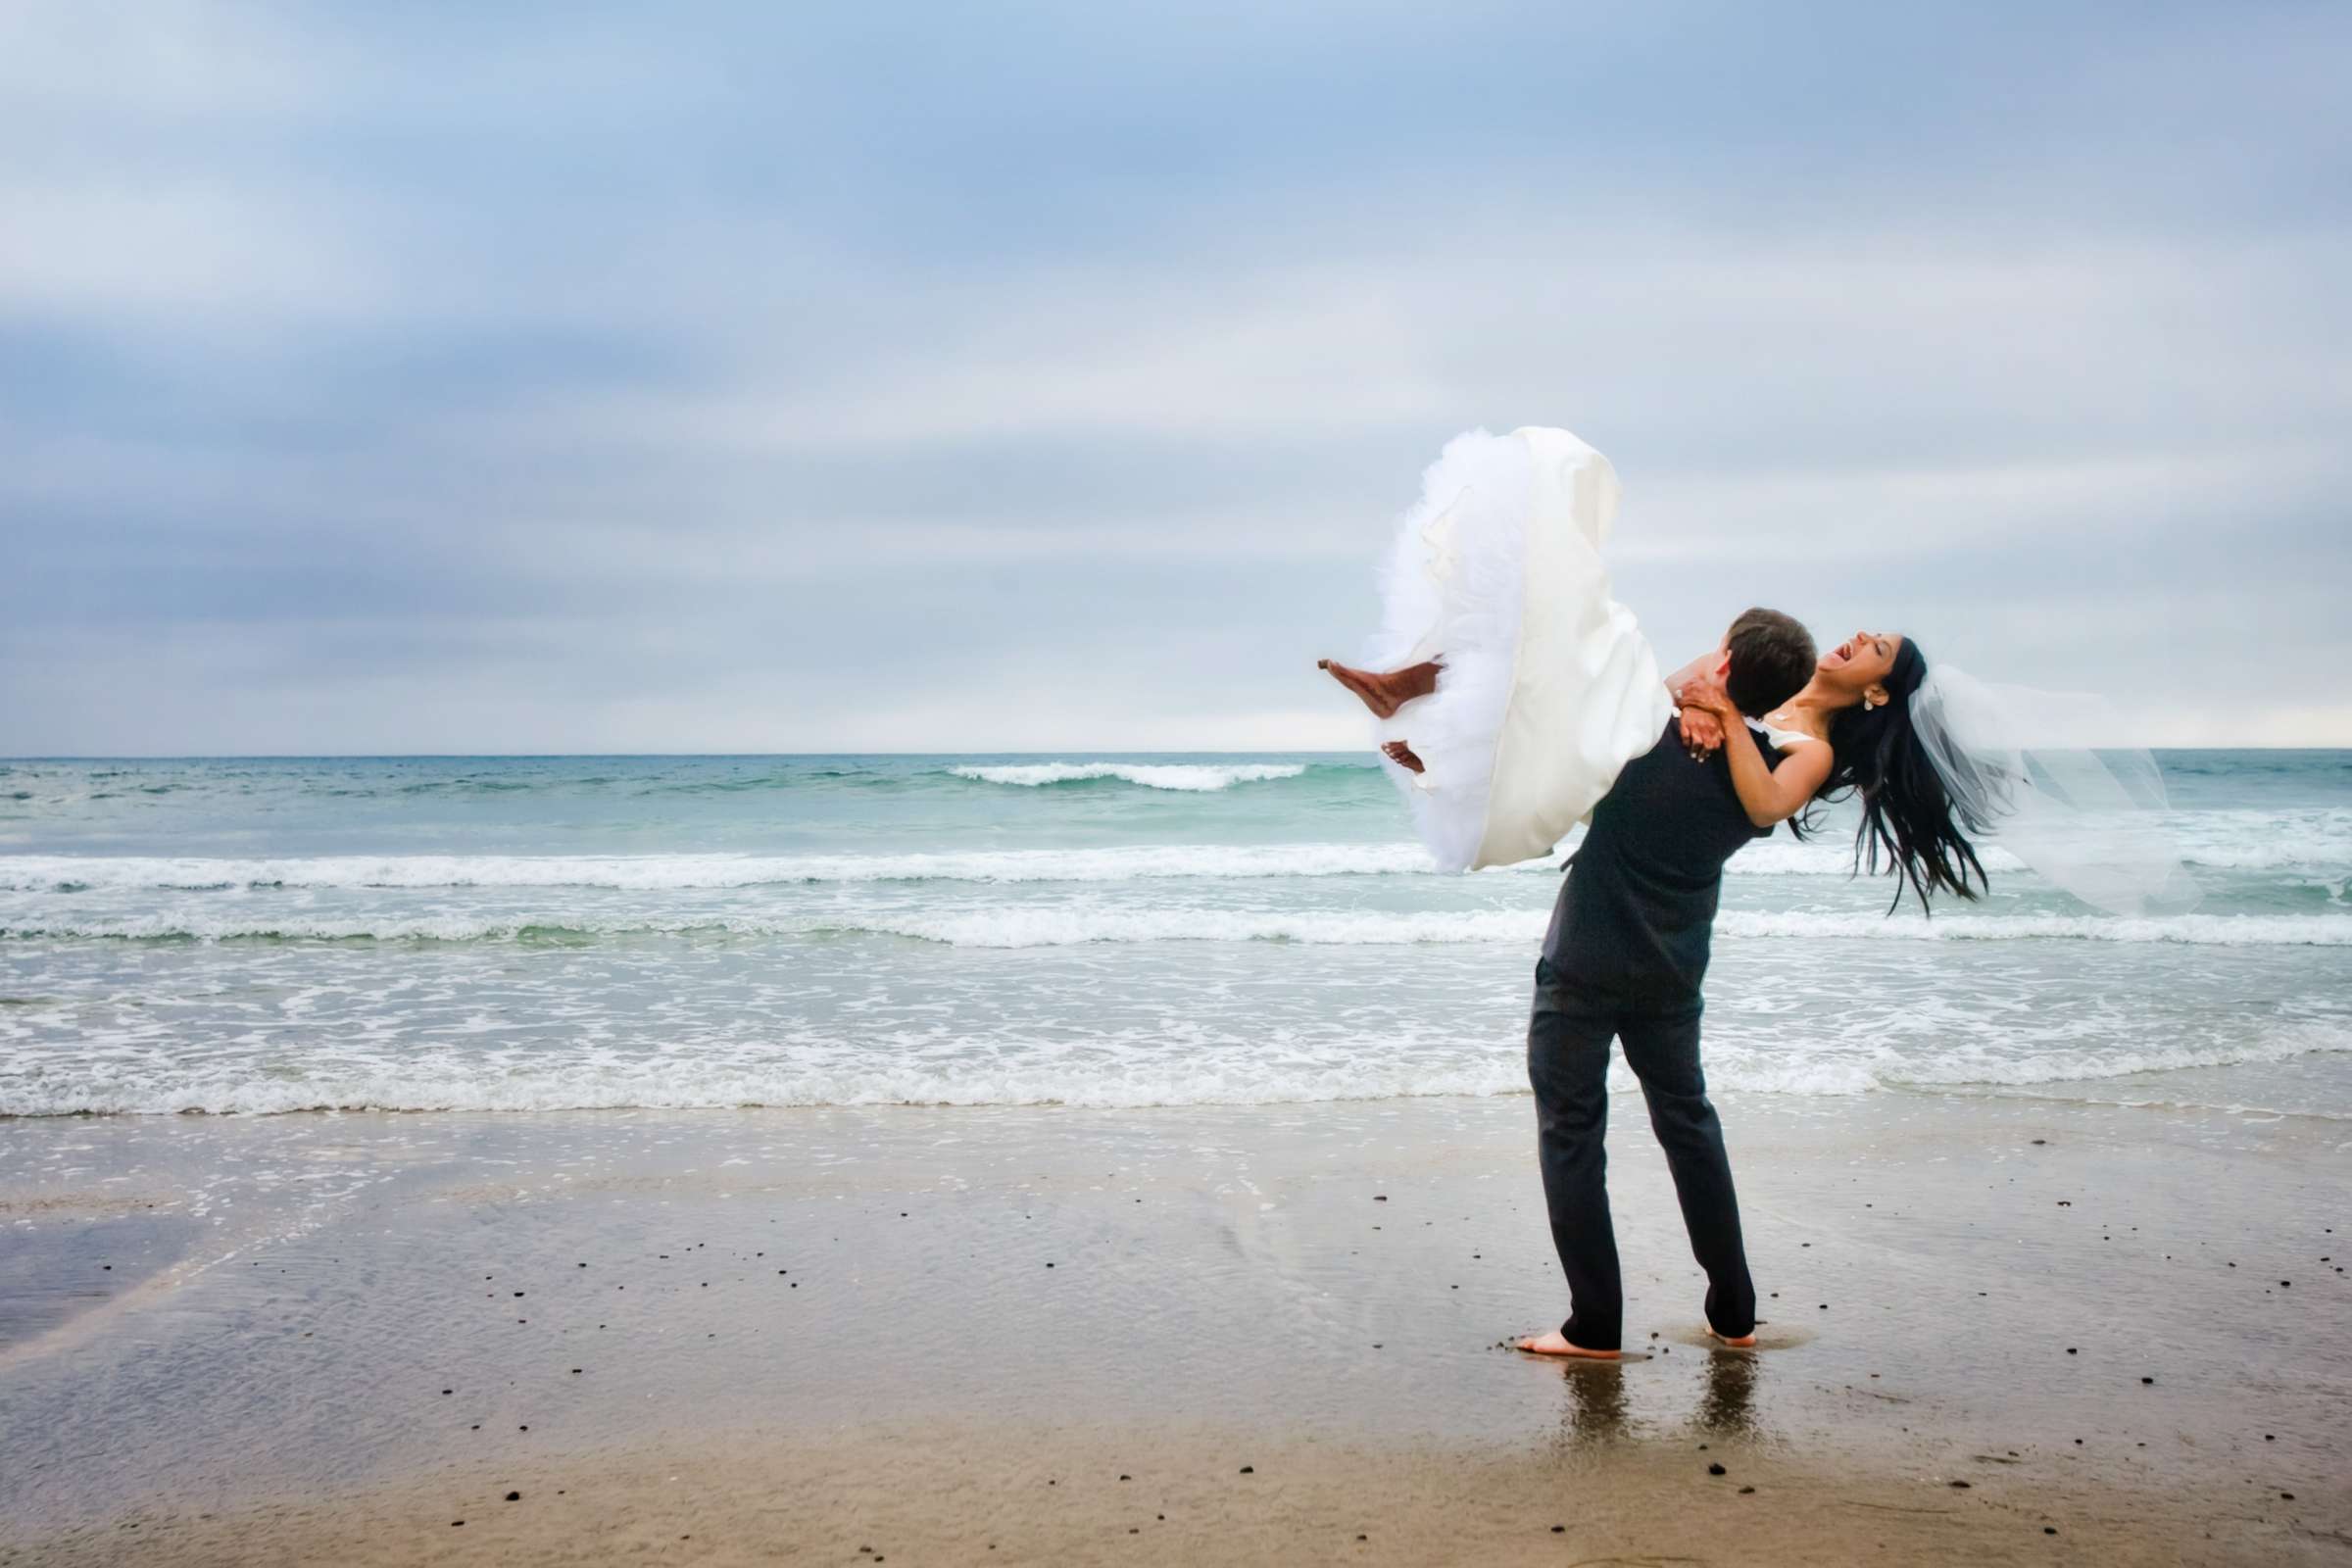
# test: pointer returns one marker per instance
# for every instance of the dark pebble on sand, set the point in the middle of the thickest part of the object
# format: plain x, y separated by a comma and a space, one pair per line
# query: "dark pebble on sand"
1126, 1478
575, 1371
514, 1496
2287, 1495
1714, 1469
2270, 1436
2148, 1380
1745, 1490
2071, 1350
449, 1391
1557, 1529
1049, 1265
1380, 1198
1961, 1484
1248, 1469
2049, 1529
453, 1523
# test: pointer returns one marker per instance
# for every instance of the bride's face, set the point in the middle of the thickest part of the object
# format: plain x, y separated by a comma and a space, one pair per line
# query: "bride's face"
1860, 664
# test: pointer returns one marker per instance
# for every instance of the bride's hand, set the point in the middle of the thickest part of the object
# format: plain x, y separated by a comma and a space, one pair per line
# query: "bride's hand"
1707, 707
1702, 732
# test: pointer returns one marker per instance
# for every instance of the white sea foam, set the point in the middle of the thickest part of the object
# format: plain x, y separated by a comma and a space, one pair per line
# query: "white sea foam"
1009, 926
2255, 845
2196, 930
1066, 925
1023, 1072
35, 873
1190, 776
2314, 843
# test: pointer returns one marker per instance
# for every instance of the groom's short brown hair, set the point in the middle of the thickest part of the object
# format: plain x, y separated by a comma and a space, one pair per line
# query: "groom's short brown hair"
1772, 657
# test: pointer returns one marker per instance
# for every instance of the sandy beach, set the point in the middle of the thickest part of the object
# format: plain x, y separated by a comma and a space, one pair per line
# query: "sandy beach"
1999, 1330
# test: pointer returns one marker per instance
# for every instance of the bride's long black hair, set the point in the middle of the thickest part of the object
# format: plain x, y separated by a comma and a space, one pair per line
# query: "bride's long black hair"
1909, 821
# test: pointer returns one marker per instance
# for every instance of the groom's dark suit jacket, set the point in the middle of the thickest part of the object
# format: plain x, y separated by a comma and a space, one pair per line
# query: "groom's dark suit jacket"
1638, 913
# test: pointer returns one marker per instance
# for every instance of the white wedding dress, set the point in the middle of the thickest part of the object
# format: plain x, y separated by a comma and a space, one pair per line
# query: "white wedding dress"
1547, 687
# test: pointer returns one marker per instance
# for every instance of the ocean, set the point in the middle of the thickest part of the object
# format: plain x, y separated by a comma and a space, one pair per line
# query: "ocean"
273, 934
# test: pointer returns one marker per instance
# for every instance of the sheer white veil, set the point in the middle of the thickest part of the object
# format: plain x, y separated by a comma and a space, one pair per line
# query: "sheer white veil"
2045, 775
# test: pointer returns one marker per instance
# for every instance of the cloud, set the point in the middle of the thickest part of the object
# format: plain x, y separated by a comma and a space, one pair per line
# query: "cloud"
560, 380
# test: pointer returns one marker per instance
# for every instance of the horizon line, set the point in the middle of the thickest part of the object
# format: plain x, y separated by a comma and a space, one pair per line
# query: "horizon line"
553, 757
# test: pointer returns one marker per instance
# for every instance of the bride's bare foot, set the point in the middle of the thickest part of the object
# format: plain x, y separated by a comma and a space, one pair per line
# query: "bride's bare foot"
1403, 756
1737, 1342
1385, 692
1557, 1344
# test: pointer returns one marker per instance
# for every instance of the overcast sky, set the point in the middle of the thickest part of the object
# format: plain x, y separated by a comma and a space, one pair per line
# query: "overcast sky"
778, 378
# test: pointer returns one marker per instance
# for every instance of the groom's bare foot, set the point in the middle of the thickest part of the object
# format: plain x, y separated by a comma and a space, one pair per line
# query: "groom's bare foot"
1403, 756
1557, 1344
1737, 1342
1385, 692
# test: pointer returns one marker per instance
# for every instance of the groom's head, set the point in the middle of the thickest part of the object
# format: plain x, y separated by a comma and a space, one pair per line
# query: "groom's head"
1767, 659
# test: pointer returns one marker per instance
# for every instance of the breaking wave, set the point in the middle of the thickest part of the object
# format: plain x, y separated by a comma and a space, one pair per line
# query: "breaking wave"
1193, 777
1053, 926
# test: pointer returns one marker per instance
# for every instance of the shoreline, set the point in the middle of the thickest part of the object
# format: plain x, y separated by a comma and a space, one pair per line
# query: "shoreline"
1323, 1282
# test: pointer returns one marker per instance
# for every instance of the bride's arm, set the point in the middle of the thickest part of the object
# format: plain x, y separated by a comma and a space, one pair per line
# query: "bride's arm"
1698, 670
1771, 795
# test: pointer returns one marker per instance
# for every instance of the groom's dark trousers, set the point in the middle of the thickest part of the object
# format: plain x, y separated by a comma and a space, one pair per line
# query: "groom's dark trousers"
1623, 961
1568, 1066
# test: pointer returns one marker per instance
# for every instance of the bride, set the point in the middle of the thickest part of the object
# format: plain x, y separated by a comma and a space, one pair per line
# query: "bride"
1527, 688
1531, 686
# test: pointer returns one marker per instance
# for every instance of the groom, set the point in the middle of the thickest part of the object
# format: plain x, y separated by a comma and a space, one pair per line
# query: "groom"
1623, 960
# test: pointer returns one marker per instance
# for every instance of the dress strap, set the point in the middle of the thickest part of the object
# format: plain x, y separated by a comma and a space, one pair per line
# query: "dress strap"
1781, 739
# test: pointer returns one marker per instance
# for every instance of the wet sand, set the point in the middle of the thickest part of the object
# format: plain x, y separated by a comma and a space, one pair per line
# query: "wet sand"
1999, 1330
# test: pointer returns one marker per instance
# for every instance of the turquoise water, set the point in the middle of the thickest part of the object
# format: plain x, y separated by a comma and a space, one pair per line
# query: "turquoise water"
280, 934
